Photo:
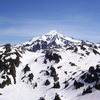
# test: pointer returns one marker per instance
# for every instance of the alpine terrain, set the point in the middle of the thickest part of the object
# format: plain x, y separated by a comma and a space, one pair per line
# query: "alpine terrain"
50, 67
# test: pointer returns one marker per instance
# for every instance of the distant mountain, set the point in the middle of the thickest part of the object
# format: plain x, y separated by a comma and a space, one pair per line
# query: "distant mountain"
50, 67
53, 39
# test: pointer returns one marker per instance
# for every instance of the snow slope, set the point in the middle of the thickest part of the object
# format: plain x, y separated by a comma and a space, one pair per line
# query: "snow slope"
68, 72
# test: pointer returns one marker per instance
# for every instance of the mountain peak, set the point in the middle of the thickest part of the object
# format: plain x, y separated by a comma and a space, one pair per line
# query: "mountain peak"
52, 39
53, 32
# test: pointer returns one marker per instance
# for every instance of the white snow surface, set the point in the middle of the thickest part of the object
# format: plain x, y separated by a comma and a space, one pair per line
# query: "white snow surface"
25, 90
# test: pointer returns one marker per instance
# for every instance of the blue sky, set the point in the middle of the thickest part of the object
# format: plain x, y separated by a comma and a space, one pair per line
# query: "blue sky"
21, 20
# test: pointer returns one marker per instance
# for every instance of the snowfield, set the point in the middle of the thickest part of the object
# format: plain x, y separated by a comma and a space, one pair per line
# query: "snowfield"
68, 70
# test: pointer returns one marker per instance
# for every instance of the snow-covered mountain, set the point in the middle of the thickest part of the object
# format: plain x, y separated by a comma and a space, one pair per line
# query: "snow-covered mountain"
53, 39
51, 67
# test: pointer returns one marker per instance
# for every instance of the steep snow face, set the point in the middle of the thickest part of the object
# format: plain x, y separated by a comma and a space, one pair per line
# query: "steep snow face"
63, 75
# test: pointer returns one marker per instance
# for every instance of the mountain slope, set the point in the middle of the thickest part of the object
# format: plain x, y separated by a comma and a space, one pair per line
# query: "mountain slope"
65, 70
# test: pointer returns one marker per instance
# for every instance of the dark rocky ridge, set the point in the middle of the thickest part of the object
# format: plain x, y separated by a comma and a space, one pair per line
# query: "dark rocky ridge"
8, 65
